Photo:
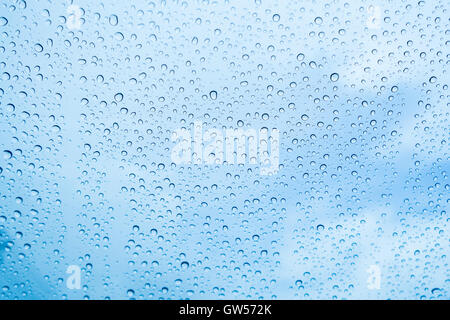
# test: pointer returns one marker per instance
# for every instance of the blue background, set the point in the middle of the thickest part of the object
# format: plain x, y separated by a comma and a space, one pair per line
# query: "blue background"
86, 178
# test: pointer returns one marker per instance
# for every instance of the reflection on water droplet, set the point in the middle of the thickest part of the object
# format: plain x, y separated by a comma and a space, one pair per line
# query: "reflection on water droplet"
334, 77
7, 154
113, 20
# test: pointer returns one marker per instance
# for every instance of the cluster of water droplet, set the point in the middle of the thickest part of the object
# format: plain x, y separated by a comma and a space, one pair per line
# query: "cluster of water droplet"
89, 98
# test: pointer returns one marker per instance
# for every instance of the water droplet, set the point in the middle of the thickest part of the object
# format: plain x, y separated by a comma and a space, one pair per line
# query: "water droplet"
334, 77
113, 20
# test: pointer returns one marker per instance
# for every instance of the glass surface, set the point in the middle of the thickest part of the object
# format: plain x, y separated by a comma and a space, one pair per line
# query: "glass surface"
224, 149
